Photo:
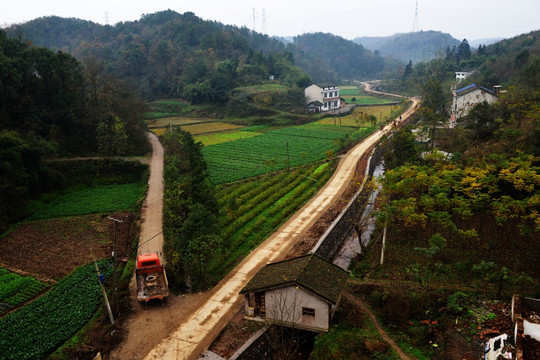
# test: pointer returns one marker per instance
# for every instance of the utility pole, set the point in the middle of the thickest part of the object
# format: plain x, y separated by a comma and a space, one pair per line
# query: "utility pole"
116, 221
101, 281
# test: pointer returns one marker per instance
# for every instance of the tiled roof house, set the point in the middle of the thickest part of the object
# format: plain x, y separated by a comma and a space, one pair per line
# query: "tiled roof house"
302, 292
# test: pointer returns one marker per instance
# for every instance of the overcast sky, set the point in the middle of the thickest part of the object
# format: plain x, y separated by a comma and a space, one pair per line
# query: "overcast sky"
471, 19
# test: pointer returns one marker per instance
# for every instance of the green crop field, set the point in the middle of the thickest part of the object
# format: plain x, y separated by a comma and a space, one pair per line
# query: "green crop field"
100, 199
380, 112
263, 88
216, 138
252, 209
40, 327
348, 90
16, 289
271, 151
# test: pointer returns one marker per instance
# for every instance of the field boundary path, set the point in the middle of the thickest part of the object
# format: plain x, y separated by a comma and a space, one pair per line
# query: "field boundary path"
196, 332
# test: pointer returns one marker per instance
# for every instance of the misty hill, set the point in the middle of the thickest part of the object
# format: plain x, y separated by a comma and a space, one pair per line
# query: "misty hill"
484, 41
415, 46
346, 58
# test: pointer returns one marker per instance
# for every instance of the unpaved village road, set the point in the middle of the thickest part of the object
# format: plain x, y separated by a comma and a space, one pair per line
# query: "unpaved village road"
197, 331
151, 237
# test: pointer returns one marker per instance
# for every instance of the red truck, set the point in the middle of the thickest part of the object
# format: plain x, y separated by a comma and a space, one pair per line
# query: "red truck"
151, 278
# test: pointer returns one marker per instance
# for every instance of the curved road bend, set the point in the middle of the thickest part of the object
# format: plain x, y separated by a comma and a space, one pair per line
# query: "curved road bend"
196, 332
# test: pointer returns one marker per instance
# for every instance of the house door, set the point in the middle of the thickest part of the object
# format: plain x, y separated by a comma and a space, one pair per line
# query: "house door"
260, 306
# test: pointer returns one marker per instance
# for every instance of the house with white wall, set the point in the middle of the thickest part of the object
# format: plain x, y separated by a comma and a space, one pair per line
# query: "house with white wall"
326, 94
460, 75
469, 96
302, 292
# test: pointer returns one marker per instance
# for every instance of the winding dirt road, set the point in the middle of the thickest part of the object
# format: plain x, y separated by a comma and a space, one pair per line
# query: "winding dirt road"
196, 332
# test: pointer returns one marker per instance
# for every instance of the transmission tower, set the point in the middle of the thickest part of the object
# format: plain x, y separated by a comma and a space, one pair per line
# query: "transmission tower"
253, 19
415, 23
264, 21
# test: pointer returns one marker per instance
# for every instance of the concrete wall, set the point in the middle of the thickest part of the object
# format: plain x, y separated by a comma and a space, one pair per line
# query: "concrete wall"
285, 306
313, 92
331, 240
462, 104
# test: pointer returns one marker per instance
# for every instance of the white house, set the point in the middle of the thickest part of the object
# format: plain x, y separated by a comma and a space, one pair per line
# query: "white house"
466, 98
326, 94
460, 75
302, 292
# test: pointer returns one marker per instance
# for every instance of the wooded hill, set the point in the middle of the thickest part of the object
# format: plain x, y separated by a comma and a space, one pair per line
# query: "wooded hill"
167, 54
414, 46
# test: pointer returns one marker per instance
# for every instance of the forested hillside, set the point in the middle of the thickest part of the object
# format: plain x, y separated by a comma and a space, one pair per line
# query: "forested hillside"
167, 54
414, 46
347, 59
50, 106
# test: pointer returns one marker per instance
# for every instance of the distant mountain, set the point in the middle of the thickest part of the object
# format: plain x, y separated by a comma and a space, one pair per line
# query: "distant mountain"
415, 46
486, 41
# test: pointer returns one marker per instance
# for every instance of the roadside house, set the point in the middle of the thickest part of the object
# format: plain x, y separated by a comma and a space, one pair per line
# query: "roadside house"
326, 94
302, 292
469, 96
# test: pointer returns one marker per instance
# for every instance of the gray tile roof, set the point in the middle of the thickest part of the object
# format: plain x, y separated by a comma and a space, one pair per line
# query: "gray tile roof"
310, 272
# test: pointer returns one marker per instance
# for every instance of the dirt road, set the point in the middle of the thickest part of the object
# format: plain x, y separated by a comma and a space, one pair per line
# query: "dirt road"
146, 328
195, 333
151, 237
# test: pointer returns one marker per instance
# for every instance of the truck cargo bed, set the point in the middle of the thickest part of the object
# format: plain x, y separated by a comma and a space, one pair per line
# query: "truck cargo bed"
151, 284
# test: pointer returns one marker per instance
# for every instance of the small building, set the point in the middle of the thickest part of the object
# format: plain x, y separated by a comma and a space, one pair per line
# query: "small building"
460, 75
469, 96
326, 94
302, 292
314, 107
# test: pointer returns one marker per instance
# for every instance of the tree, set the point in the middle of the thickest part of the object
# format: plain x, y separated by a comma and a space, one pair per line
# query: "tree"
463, 51
112, 137
408, 70
400, 148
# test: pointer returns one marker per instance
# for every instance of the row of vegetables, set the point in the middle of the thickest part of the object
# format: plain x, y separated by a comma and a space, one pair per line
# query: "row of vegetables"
40, 327
272, 151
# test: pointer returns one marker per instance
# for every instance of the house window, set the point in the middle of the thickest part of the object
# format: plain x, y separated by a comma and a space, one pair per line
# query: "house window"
308, 311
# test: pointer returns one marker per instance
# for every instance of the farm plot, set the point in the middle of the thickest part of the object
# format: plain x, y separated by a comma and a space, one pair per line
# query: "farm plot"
216, 138
172, 121
380, 112
274, 150
350, 92
101, 199
251, 210
40, 327
209, 127
16, 289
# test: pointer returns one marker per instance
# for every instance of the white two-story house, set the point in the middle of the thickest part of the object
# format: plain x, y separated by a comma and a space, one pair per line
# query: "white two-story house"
322, 97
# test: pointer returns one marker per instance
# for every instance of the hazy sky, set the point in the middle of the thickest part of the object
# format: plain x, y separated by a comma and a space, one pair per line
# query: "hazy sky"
471, 19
